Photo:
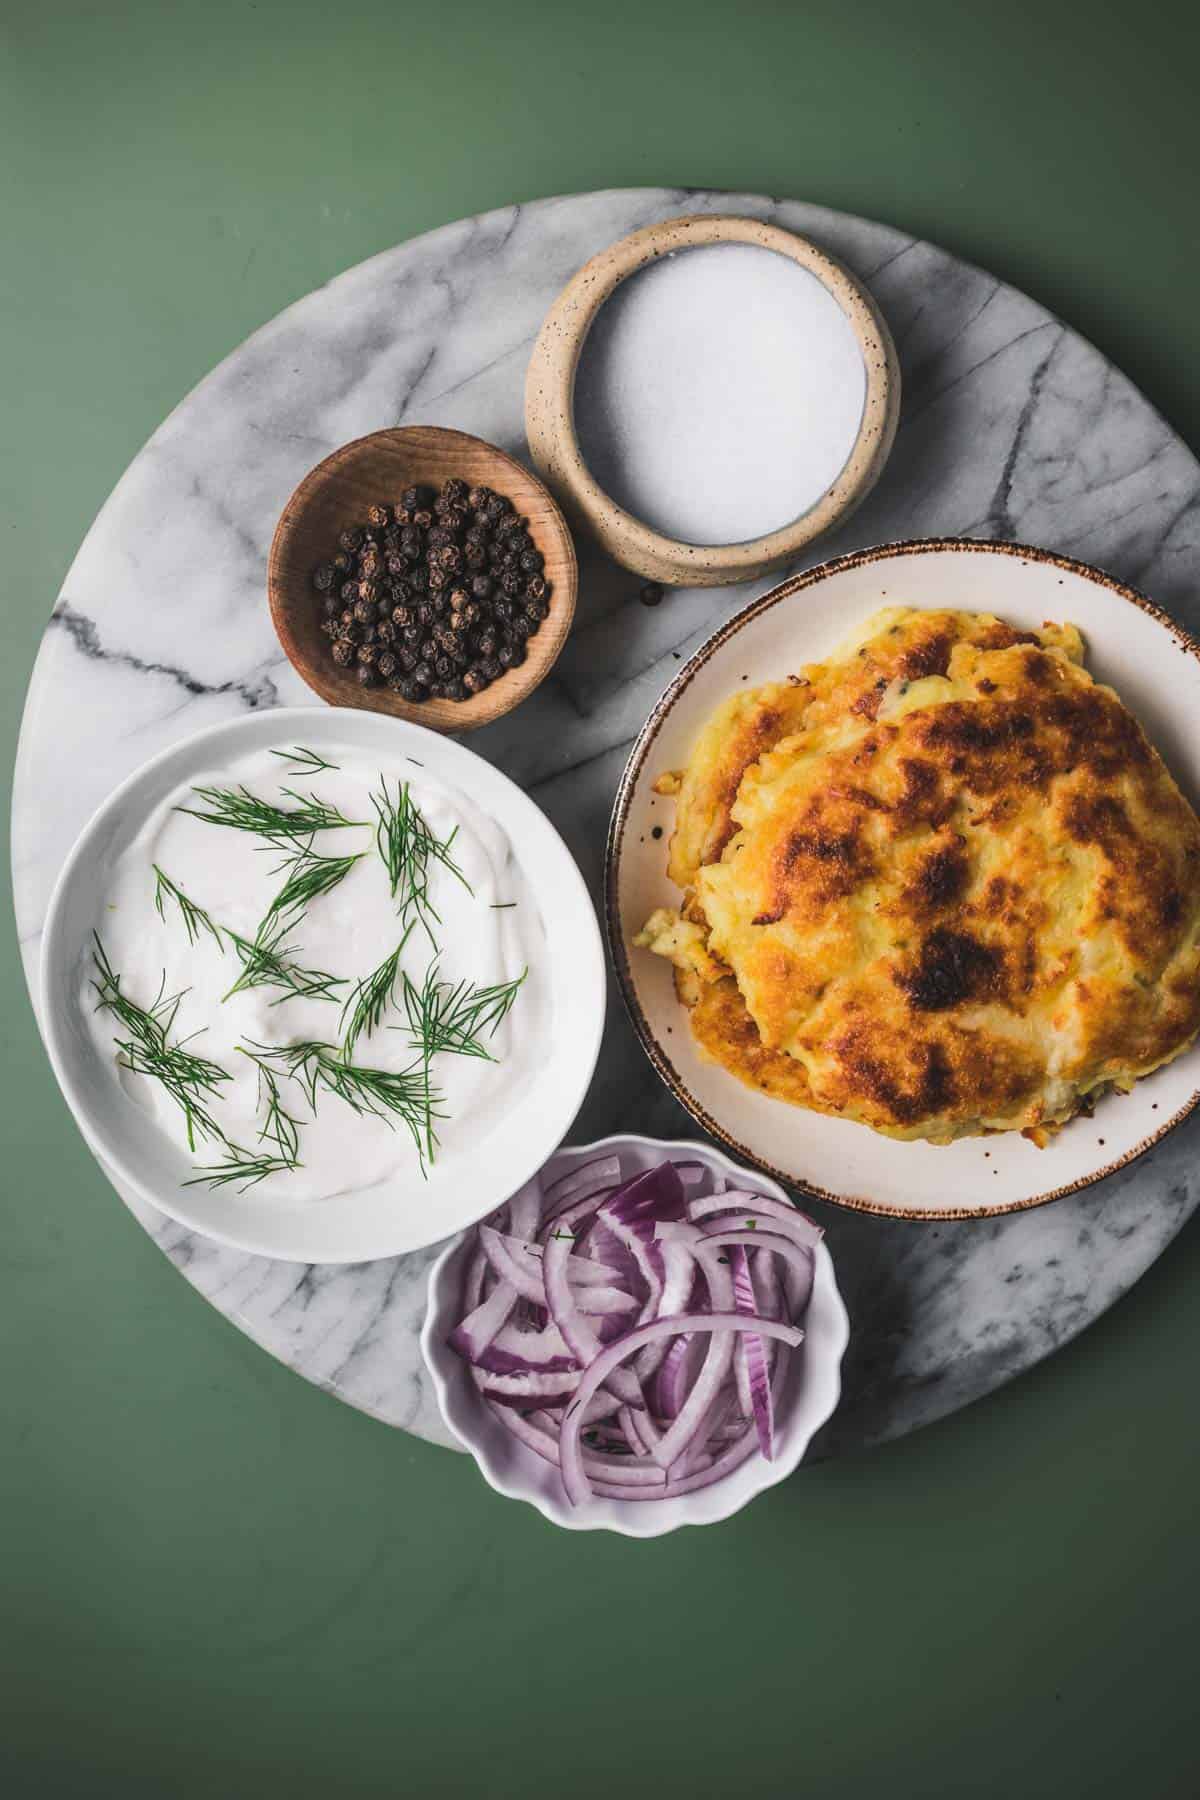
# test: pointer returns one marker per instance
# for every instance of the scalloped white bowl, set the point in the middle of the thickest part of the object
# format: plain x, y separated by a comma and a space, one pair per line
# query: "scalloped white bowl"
810, 1391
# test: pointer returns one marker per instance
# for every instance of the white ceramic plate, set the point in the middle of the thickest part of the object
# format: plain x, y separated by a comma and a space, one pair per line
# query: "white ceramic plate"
394, 1216
1155, 667
811, 1390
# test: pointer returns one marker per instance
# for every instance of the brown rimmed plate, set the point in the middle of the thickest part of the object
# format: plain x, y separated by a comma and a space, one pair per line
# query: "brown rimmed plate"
1155, 667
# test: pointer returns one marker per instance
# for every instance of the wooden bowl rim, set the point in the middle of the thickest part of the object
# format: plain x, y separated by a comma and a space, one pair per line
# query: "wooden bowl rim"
550, 402
437, 715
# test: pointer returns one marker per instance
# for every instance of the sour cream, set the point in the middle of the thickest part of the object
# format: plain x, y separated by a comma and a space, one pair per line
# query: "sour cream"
486, 930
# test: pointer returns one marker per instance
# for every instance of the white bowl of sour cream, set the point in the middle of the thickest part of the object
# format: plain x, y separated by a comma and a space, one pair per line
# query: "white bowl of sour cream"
389, 974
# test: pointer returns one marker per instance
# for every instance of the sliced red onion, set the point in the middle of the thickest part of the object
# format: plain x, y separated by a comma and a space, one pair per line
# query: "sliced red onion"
647, 1310
601, 1370
796, 1224
669, 1386
564, 1309
588, 1177
525, 1209
527, 1389
640, 1431
521, 1266
479, 1327
653, 1195
750, 1361
619, 1472
512, 1350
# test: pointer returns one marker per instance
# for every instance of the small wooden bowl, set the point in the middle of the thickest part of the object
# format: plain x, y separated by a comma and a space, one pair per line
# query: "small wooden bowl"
550, 405
375, 470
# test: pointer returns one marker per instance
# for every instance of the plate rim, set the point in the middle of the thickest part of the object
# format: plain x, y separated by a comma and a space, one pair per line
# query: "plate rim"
619, 819
113, 1163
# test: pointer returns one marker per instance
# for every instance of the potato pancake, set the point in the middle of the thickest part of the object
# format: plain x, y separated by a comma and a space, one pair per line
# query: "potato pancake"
940, 884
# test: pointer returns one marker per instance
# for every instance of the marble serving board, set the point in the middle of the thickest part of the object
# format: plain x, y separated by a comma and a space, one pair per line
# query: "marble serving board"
1012, 427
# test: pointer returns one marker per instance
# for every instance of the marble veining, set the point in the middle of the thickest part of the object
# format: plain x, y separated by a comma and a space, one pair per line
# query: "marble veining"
1012, 427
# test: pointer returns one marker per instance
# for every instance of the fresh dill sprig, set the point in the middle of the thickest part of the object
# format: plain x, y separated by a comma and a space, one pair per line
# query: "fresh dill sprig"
278, 1127
453, 1019
302, 758
387, 1094
190, 1080
267, 962
407, 848
241, 810
245, 1167
309, 877
370, 1000
195, 919
446, 1018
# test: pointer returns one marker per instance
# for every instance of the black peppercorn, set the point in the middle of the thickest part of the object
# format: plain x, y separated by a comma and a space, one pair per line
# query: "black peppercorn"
366, 675
436, 595
412, 690
651, 594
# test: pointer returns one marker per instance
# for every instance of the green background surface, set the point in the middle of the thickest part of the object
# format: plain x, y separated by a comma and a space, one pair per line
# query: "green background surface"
215, 1580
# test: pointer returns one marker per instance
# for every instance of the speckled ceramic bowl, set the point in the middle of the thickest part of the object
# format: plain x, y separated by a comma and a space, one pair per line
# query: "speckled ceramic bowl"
550, 412
810, 1395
